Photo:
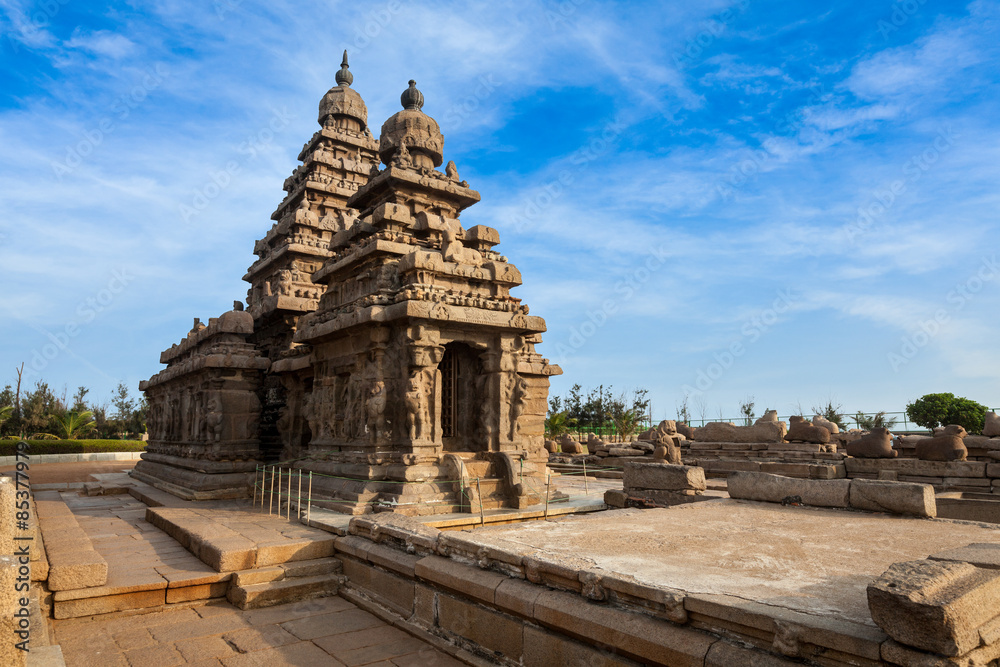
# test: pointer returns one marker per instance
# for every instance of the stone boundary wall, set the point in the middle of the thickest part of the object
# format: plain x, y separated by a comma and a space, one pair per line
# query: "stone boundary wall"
521, 605
74, 458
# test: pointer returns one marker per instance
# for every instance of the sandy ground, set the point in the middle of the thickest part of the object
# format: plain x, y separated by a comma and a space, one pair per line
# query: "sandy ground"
811, 560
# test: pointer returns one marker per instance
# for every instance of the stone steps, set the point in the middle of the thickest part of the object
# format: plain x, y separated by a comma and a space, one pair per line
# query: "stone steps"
288, 582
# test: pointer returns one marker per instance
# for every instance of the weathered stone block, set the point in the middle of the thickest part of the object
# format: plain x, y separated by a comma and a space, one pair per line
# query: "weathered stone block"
77, 569
663, 476
893, 497
936, 606
491, 630
615, 498
775, 488
459, 577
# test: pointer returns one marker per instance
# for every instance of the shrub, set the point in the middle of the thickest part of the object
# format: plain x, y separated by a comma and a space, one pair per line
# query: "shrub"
39, 447
933, 410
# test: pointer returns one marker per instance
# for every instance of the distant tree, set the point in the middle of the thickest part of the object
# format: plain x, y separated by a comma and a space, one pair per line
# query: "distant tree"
968, 413
38, 409
683, 412
877, 420
746, 409
932, 410
832, 413
80, 399
124, 406
5, 413
628, 411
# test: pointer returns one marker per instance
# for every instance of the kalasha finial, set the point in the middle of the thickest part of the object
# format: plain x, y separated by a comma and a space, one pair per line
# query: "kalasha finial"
411, 97
344, 76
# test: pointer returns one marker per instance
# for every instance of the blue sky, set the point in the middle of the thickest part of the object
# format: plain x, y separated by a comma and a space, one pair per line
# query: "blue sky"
791, 201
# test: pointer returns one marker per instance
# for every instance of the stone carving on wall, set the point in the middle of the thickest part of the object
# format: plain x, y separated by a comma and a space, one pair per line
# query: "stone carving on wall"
214, 420
417, 403
454, 251
519, 398
375, 410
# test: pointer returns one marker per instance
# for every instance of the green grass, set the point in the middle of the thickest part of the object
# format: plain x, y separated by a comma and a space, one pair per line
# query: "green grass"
39, 447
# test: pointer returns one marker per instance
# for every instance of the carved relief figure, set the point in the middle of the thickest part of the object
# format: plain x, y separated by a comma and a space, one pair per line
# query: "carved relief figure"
213, 420
519, 398
417, 409
309, 414
453, 250
487, 408
375, 410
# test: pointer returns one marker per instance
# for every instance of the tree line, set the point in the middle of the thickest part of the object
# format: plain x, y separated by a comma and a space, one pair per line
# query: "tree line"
39, 412
597, 410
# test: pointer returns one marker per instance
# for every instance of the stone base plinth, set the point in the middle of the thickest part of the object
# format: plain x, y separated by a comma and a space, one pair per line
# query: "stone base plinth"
192, 484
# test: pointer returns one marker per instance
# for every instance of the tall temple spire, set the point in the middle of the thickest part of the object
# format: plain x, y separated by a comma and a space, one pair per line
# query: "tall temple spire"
344, 76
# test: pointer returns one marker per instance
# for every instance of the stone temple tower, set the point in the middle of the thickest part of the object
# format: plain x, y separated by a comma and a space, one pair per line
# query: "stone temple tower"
382, 345
336, 162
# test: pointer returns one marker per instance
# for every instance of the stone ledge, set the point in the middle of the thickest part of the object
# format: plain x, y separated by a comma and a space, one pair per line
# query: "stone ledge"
73, 562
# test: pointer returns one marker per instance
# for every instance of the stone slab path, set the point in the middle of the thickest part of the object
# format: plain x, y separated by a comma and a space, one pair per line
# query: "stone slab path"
325, 632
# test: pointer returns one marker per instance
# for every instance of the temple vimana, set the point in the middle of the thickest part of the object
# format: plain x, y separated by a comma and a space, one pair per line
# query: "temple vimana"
360, 446
381, 345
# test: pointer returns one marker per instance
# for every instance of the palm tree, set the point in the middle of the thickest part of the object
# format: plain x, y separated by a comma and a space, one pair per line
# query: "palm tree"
73, 423
558, 423
5, 413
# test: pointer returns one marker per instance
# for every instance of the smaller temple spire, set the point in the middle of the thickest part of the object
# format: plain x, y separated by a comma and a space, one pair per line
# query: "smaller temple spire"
344, 76
411, 97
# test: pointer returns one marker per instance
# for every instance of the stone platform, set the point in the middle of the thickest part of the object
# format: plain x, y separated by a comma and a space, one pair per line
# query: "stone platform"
812, 561
239, 538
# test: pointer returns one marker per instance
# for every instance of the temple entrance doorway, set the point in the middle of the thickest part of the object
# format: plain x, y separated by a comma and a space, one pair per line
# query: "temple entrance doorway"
459, 368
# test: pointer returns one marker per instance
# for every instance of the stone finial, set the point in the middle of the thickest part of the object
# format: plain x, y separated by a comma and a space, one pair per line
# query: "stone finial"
344, 76
411, 97
238, 306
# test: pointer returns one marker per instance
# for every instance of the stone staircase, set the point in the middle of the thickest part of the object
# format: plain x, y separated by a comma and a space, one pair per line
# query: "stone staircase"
285, 582
481, 487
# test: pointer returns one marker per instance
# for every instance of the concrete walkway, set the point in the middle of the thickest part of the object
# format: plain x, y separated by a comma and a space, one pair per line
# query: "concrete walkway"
324, 632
